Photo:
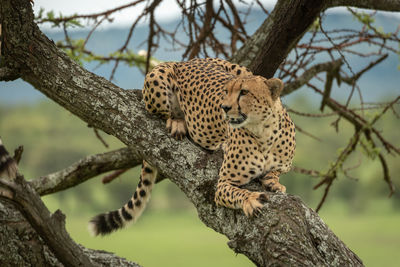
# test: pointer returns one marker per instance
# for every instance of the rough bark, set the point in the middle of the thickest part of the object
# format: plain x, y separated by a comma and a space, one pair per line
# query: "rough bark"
285, 233
21, 245
272, 42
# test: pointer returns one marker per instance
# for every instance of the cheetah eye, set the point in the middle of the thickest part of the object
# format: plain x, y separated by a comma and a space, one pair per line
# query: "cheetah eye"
244, 92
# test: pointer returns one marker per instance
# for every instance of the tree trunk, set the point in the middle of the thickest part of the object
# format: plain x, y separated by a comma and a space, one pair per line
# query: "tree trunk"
285, 233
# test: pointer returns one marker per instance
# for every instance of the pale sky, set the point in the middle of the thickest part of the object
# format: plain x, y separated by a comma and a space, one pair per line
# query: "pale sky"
168, 9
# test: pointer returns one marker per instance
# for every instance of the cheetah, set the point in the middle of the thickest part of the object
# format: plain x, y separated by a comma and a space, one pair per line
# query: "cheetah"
217, 105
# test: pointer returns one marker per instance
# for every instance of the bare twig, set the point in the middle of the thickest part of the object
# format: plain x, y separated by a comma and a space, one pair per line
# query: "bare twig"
312, 173
309, 74
307, 133
18, 154
110, 177
96, 132
85, 169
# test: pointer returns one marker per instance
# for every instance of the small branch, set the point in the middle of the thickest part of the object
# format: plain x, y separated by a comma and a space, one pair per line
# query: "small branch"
387, 107
386, 175
385, 169
357, 120
301, 130
152, 33
331, 175
309, 74
330, 75
194, 49
96, 132
110, 177
327, 188
85, 169
18, 154
312, 173
351, 80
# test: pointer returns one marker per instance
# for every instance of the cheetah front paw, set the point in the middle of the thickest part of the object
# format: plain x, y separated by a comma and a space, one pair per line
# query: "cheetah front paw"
253, 204
177, 128
274, 186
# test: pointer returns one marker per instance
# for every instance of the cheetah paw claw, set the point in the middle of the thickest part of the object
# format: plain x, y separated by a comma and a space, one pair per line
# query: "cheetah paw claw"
274, 186
177, 128
252, 206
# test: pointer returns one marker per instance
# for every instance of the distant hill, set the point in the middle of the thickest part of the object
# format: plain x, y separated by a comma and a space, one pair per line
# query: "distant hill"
383, 79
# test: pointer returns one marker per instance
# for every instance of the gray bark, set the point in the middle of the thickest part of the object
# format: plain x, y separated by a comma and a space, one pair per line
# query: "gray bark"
272, 42
21, 245
285, 233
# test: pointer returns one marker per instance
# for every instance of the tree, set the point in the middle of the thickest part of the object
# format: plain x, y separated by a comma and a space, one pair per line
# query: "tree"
286, 232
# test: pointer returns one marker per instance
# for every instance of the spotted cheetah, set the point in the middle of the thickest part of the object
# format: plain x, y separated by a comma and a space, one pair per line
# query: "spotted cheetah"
217, 104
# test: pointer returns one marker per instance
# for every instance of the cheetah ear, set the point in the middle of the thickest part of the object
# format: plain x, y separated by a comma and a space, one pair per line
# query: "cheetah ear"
275, 86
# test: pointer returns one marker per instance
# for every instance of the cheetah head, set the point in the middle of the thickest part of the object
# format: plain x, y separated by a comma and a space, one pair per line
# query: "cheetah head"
251, 99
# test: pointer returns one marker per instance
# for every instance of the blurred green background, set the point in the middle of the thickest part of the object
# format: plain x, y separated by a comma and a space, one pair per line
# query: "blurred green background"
169, 233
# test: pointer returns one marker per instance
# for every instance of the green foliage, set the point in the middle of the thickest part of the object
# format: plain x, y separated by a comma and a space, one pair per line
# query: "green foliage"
368, 20
363, 17
75, 49
315, 26
369, 149
56, 22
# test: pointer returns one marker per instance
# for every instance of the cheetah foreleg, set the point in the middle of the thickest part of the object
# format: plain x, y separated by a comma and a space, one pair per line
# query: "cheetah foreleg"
271, 182
235, 197
177, 128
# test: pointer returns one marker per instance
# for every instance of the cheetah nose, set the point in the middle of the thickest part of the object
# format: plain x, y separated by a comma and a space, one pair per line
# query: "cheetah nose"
226, 108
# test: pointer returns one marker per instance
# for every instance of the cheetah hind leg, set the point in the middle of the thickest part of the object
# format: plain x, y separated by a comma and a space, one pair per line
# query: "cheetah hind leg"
271, 182
177, 128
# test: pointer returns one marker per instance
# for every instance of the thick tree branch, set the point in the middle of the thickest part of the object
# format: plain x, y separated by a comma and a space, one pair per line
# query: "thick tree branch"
50, 227
285, 233
85, 169
21, 246
272, 42
8, 74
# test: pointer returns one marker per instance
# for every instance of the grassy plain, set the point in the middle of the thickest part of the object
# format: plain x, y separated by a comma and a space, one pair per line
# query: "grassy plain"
163, 238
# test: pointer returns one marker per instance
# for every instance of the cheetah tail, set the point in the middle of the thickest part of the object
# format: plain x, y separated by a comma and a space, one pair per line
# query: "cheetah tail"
106, 223
8, 166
